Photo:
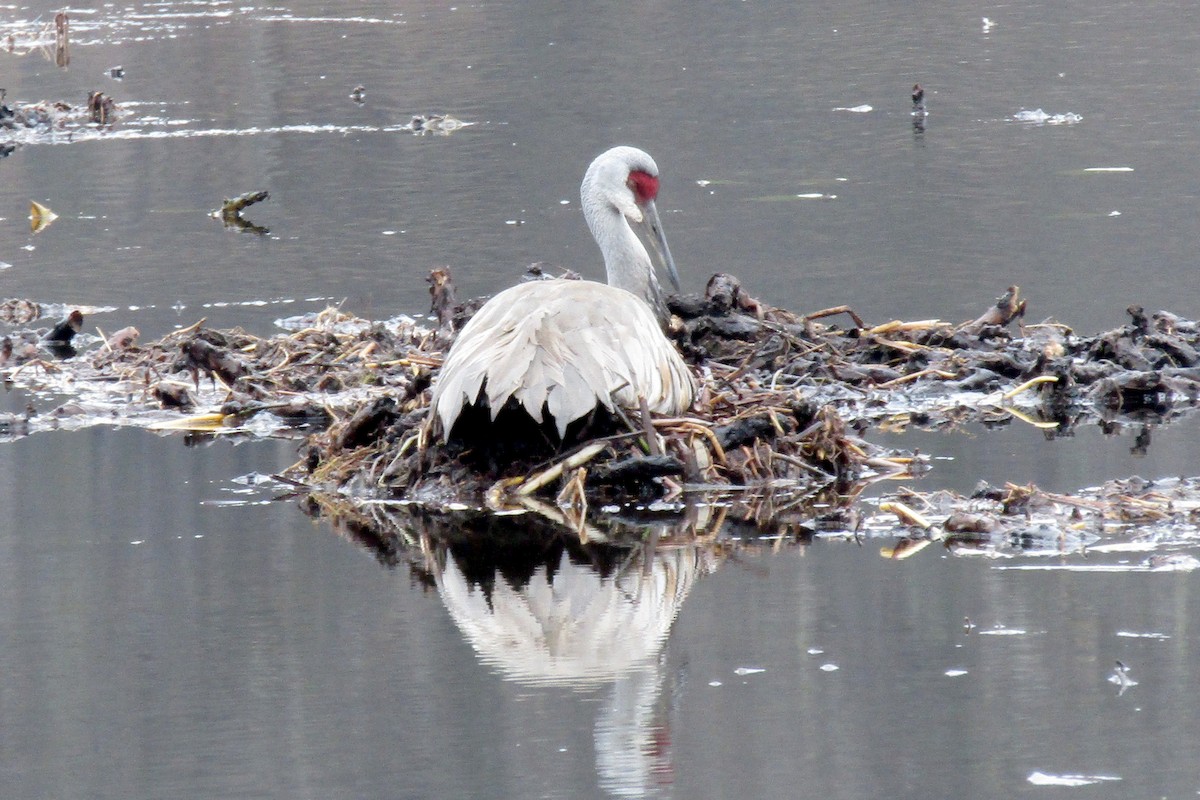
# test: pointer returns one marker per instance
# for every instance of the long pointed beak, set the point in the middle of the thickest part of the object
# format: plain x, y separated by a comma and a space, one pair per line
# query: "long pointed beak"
659, 241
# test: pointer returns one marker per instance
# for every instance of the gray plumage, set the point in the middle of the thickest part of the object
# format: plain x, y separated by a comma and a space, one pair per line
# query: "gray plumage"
569, 345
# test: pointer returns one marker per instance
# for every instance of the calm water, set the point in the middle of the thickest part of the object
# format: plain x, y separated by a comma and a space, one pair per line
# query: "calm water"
165, 632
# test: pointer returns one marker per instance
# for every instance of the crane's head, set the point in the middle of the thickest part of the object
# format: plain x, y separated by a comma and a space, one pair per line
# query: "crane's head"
618, 194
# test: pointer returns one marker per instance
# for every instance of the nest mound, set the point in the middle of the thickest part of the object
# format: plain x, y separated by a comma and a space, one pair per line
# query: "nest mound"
783, 401
784, 398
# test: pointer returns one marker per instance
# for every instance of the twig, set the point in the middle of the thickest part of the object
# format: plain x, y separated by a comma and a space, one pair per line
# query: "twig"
586, 454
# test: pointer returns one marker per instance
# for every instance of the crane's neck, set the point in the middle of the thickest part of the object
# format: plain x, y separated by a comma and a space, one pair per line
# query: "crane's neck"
626, 260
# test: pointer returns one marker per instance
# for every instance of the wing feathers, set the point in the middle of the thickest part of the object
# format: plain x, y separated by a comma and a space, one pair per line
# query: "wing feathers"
565, 345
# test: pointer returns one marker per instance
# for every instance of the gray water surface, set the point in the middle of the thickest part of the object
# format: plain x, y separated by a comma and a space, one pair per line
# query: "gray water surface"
167, 631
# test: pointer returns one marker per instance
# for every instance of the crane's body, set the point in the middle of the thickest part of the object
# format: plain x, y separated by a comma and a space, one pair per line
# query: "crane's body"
566, 347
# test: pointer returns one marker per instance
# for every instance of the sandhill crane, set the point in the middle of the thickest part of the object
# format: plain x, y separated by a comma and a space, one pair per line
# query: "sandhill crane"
566, 347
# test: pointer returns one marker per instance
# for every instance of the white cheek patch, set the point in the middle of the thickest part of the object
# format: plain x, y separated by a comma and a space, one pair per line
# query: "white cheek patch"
630, 209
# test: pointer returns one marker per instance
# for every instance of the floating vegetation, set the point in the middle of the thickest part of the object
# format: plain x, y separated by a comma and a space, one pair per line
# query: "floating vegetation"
51, 39
25, 122
40, 216
58, 122
1039, 117
436, 124
1023, 520
122, 24
62, 123
101, 108
1048, 779
231, 209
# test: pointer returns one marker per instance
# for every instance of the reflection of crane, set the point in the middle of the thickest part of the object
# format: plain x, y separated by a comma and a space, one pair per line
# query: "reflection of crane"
569, 346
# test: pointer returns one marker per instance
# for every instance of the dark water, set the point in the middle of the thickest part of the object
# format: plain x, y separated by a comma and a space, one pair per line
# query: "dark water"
164, 634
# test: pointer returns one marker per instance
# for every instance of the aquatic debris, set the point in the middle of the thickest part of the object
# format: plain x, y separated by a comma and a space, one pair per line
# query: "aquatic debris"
437, 124
906, 515
988, 25
100, 107
1000, 630
861, 109
1031, 522
1173, 562
918, 101
61, 122
64, 331
116, 73
1040, 117
24, 123
1120, 677
202, 423
358, 94
40, 217
62, 35
123, 339
174, 395
52, 39
33, 115
231, 209
728, 518
16, 311
231, 206
1047, 779
293, 382
14, 426
22, 348
58, 341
